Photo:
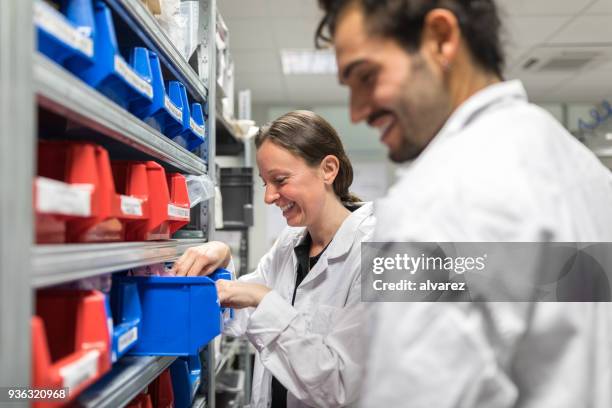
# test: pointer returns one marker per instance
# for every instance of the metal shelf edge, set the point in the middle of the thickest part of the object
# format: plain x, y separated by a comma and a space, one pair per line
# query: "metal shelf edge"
65, 94
129, 376
55, 264
233, 349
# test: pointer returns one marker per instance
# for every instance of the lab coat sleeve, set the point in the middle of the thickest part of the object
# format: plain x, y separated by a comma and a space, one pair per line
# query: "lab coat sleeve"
237, 326
321, 370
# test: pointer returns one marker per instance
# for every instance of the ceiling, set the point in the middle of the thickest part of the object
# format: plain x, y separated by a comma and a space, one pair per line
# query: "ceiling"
534, 29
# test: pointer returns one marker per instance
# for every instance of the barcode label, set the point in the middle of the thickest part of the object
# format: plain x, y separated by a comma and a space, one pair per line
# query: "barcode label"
127, 338
131, 205
174, 111
179, 212
81, 370
56, 24
199, 130
56, 197
123, 69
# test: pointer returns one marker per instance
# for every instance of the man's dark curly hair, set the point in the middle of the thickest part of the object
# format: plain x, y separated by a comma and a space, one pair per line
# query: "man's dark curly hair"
403, 21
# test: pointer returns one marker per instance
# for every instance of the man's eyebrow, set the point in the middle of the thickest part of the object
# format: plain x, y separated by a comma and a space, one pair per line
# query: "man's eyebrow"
346, 73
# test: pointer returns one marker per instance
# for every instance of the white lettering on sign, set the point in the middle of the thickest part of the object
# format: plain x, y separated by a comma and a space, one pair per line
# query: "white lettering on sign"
174, 111
53, 22
131, 205
56, 197
83, 369
123, 69
178, 212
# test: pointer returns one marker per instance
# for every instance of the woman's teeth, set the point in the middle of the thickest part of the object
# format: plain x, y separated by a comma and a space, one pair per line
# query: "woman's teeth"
287, 207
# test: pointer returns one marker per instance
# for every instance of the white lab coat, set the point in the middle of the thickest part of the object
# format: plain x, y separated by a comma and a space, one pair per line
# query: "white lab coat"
500, 170
294, 343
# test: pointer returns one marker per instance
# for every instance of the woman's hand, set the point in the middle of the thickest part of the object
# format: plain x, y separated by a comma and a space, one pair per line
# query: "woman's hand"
202, 260
240, 294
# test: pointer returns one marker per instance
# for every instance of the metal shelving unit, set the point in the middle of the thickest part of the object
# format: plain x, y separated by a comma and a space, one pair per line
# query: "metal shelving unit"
129, 376
53, 264
27, 80
64, 94
17, 126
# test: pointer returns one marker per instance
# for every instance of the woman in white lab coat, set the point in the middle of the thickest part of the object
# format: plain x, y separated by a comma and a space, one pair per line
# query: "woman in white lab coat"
309, 281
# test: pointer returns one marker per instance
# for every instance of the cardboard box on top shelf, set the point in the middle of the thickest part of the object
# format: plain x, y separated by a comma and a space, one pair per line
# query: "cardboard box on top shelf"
154, 6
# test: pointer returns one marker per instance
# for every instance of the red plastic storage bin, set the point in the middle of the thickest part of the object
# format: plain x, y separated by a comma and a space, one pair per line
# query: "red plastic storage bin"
161, 391
141, 401
70, 341
87, 166
178, 209
168, 205
56, 202
132, 203
86, 169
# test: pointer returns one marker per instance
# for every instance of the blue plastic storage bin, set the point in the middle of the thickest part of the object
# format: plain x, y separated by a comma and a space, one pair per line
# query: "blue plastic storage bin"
110, 73
126, 315
227, 313
185, 373
65, 35
180, 315
165, 112
195, 134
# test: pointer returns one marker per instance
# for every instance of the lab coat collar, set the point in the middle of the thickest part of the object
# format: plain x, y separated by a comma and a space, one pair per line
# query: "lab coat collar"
343, 240
479, 102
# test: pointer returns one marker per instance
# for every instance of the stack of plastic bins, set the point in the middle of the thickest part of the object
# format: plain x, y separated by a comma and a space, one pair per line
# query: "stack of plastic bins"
110, 74
165, 112
156, 226
88, 166
186, 373
126, 314
66, 36
194, 135
168, 205
161, 392
70, 340
179, 315
132, 184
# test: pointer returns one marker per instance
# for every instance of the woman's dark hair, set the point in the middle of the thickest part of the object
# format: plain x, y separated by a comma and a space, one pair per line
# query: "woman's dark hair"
309, 136
403, 21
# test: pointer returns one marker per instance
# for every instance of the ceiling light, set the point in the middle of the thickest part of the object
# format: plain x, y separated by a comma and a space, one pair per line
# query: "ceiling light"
313, 62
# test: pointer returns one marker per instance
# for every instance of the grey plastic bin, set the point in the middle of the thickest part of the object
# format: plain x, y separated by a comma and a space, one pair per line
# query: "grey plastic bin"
237, 193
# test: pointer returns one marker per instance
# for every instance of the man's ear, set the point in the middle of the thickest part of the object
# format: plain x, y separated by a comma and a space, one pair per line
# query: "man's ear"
442, 37
329, 167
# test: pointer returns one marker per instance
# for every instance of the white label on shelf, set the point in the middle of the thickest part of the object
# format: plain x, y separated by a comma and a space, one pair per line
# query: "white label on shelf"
56, 197
131, 205
199, 130
56, 24
179, 212
174, 111
127, 338
123, 69
83, 369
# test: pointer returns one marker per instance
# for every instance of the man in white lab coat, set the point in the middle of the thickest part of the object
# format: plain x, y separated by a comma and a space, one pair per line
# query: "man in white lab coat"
484, 165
